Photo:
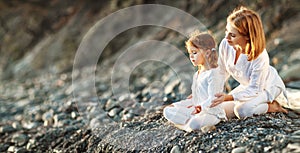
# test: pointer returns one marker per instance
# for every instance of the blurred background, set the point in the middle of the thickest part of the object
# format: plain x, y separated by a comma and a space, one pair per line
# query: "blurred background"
38, 37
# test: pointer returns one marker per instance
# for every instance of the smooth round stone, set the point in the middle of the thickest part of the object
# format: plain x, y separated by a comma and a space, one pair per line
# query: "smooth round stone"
7, 129
239, 150
127, 116
16, 125
20, 139
295, 138
3, 147
175, 149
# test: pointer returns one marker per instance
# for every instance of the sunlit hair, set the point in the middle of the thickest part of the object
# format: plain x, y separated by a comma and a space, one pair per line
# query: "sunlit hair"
204, 41
248, 23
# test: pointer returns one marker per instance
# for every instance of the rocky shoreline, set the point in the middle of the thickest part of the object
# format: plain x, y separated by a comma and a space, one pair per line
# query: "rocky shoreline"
42, 116
265, 133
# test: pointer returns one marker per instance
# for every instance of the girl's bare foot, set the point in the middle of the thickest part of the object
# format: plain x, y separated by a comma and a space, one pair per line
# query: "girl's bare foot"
276, 107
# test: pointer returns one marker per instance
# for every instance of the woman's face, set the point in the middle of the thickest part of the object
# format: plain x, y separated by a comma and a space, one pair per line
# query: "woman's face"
235, 39
196, 55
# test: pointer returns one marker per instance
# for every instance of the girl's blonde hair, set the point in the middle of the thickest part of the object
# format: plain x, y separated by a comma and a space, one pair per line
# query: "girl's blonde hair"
248, 23
205, 41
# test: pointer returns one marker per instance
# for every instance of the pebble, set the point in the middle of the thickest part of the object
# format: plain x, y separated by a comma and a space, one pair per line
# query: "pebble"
295, 138
110, 104
7, 129
127, 117
206, 129
59, 117
113, 112
48, 118
20, 139
294, 147
3, 147
30, 125
12, 149
31, 144
171, 86
175, 149
267, 149
239, 150
16, 125
296, 132
74, 115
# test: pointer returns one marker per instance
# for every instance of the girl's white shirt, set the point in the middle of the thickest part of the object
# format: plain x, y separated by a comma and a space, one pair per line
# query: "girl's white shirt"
205, 85
254, 76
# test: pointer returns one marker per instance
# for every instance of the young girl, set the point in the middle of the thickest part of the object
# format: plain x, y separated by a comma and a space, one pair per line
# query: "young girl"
194, 113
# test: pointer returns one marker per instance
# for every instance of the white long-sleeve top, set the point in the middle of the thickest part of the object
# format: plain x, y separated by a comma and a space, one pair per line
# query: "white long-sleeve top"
205, 85
255, 76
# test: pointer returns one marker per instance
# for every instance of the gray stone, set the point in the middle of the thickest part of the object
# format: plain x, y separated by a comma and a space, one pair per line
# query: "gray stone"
12, 149
239, 150
59, 117
31, 144
296, 132
20, 139
3, 147
30, 125
291, 73
127, 117
295, 138
110, 104
206, 129
7, 129
48, 118
171, 86
16, 125
175, 149
113, 112
293, 147
74, 115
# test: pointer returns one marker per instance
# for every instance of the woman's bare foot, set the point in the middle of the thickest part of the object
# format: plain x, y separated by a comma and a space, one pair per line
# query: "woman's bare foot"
276, 107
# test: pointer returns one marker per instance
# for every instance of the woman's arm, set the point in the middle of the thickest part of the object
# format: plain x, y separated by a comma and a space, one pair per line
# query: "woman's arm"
221, 97
189, 97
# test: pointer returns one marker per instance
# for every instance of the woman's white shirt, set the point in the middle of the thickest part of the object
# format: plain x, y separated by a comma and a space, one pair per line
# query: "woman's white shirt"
255, 76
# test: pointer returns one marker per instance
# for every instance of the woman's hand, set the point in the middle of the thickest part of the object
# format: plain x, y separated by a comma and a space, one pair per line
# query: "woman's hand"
221, 97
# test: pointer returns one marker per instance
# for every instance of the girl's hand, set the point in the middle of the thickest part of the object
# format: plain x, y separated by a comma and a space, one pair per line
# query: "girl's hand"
190, 96
197, 110
221, 97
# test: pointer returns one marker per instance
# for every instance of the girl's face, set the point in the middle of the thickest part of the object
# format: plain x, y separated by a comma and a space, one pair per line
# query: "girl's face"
235, 39
196, 55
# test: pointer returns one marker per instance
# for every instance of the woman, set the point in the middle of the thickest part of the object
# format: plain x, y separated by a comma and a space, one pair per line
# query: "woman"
243, 56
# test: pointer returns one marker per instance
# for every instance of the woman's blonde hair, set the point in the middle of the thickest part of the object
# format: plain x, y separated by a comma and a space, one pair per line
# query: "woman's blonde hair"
205, 41
248, 23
